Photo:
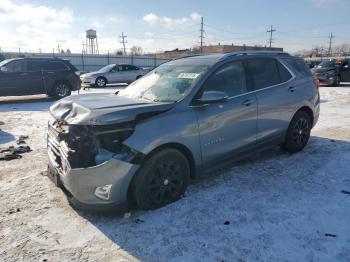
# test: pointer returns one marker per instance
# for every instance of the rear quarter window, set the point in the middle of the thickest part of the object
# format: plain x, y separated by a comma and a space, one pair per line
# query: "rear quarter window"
299, 65
264, 72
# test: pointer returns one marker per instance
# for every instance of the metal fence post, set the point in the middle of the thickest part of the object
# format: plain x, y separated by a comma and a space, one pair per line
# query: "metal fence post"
82, 60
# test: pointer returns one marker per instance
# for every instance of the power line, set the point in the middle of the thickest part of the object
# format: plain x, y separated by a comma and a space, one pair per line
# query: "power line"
271, 31
330, 44
123, 41
202, 35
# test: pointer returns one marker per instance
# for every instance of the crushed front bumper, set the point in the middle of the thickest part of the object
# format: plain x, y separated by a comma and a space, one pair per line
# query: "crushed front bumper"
81, 183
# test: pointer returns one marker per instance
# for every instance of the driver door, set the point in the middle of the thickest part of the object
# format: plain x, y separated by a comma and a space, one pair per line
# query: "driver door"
227, 128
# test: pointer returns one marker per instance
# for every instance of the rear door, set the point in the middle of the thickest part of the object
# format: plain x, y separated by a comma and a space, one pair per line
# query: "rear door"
13, 80
275, 95
229, 127
53, 72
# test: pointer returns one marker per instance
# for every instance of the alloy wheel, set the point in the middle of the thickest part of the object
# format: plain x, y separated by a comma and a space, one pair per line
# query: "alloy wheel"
301, 131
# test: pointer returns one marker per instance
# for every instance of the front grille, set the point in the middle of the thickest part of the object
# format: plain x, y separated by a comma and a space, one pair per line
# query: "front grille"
53, 148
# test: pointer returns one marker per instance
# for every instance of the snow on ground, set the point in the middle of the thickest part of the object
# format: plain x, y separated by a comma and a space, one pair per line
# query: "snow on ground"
277, 206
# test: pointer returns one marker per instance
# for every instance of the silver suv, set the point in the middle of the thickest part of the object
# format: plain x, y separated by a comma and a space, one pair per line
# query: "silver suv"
185, 117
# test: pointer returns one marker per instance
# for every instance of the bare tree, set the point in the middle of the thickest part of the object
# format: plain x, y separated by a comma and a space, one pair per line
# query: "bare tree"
136, 50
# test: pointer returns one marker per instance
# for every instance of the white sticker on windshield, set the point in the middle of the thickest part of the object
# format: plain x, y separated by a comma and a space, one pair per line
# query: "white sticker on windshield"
188, 75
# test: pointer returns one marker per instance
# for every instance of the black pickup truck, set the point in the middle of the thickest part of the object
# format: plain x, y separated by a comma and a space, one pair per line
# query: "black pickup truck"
29, 76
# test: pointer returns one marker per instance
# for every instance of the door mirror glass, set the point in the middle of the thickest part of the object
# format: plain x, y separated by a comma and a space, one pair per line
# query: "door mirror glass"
3, 69
212, 97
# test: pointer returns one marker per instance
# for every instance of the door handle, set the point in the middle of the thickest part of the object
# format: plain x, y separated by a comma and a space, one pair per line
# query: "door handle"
247, 102
291, 89
24, 74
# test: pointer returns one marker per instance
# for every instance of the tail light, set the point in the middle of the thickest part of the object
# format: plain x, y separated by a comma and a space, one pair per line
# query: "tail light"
317, 83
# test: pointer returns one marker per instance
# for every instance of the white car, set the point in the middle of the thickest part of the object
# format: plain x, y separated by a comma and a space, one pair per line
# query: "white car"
112, 74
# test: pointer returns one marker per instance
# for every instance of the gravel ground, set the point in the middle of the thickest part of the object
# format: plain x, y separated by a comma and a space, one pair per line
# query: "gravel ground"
270, 207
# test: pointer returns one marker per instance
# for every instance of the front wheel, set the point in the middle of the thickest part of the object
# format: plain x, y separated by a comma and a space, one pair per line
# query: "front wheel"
61, 90
298, 133
101, 82
161, 180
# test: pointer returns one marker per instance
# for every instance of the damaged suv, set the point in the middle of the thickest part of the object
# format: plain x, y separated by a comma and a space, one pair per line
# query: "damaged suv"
181, 120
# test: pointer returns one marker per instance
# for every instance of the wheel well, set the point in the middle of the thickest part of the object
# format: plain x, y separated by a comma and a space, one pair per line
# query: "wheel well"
183, 149
309, 111
103, 78
57, 82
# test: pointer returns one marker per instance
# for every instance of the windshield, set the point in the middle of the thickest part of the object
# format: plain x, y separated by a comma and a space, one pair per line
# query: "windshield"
327, 63
106, 69
166, 83
5, 62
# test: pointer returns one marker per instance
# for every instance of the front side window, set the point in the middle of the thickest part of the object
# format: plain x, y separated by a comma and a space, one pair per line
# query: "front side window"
15, 66
166, 83
264, 72
35, 65
230, 79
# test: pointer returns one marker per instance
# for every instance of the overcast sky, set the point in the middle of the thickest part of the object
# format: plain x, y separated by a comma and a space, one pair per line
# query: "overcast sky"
164, 25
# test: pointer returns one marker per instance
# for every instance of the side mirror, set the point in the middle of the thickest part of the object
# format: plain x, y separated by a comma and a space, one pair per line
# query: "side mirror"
212, 97
3, 69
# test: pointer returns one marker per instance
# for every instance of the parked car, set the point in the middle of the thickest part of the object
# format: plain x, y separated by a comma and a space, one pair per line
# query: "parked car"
181, 120
30, 76
112, 74
332, 72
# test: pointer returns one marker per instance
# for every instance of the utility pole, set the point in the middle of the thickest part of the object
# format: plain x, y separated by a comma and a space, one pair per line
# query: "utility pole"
271, 31
83, 47
123, 41
58, 48
330, 44
202, 35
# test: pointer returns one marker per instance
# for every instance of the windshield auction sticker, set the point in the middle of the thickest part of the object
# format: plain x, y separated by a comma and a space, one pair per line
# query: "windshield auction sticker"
188, 75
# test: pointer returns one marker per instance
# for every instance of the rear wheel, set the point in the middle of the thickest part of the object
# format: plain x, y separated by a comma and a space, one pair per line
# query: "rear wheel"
298, 133
138, 77
101, 82
61, 90
161, 180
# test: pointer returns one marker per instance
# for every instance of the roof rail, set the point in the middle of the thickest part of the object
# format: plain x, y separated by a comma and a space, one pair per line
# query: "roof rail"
185, 56
239, 53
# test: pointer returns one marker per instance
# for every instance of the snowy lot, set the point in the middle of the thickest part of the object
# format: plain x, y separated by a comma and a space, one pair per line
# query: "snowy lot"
277, 206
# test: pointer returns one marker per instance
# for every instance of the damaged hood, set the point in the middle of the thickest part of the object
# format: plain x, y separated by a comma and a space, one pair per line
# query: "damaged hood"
103, 109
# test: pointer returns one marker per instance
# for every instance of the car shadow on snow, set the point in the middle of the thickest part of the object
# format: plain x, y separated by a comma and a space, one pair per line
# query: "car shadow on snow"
267, 188
5, 137
25, 103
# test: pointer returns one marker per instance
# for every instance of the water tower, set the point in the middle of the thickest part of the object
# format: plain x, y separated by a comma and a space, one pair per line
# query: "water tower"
91, 42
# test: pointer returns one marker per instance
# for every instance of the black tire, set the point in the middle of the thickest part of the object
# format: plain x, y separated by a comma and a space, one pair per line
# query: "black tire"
298, 133
138, 77
61, 90
101, 82
162, 179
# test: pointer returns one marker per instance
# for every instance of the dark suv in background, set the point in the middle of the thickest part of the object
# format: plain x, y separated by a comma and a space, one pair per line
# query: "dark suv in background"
30, 76
332, 72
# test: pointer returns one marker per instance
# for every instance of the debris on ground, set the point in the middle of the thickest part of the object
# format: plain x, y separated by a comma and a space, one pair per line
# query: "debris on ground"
11, 152
21, 140
13, 210
138, 221
226, 223
330, 235
345, 192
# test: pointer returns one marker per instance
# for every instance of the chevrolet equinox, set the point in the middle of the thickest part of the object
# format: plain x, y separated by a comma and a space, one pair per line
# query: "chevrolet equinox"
184, 118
